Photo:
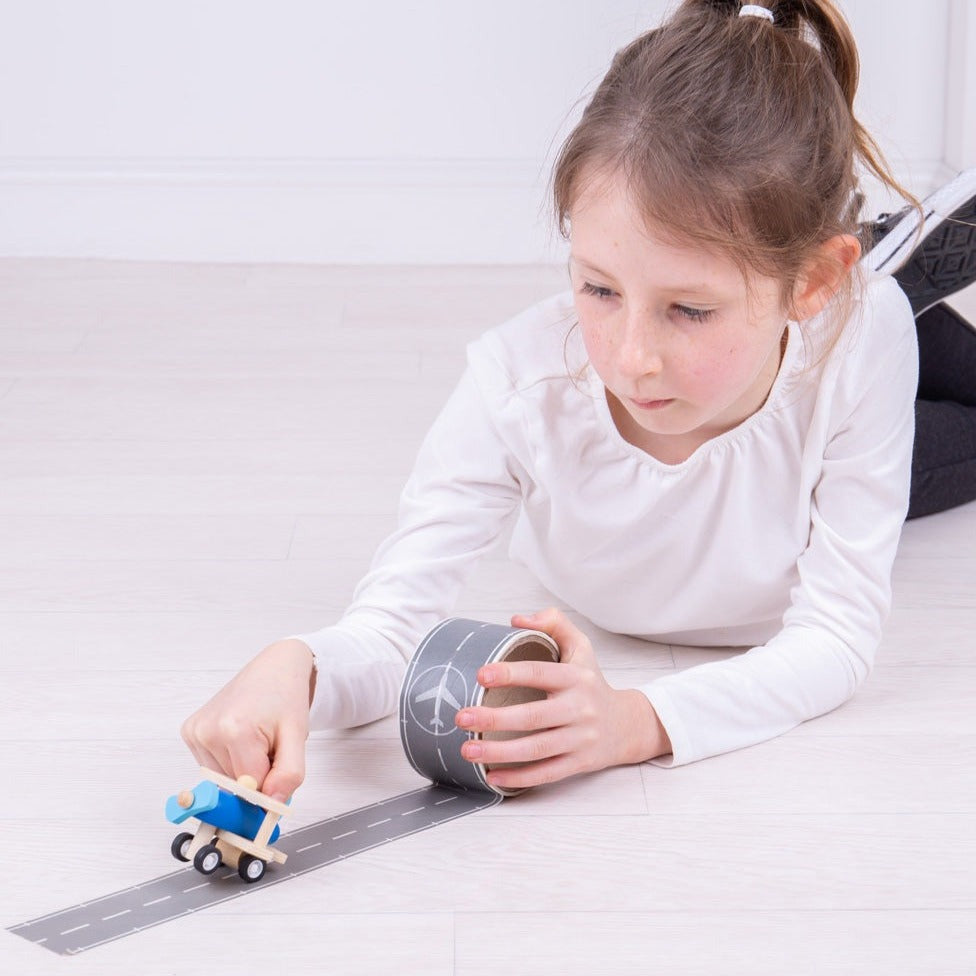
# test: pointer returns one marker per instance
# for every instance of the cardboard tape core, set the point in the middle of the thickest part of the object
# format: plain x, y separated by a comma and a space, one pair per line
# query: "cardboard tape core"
530, 650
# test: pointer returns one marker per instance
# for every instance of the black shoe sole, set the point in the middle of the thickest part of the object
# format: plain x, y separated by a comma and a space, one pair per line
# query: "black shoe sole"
944, 264
943, 261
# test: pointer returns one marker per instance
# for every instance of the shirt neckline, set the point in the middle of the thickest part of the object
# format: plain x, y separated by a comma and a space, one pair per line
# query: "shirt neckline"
776, 393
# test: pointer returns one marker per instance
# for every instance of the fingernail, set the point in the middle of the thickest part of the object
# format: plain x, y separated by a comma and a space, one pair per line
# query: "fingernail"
280, 797
464, 719
471, 750
487, 676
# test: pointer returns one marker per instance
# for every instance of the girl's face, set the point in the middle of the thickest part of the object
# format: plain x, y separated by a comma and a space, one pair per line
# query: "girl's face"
685, 347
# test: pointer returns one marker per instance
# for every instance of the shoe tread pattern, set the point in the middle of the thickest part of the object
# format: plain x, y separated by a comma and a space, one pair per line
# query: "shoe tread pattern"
944, 263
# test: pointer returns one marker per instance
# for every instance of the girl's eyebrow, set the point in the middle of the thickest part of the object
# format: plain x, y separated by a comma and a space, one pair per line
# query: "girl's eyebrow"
588, 264
685, 288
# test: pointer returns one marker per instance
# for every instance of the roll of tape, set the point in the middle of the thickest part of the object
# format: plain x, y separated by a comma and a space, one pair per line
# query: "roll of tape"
441, 679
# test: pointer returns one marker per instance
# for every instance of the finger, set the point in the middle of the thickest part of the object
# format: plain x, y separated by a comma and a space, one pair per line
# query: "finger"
248, 756
524, 749
205, 758
536, 774
544, 675
288, 768
570, 640
531, 716
204, 755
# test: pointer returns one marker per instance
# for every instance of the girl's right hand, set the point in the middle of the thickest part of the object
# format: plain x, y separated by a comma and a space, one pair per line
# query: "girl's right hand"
258, 722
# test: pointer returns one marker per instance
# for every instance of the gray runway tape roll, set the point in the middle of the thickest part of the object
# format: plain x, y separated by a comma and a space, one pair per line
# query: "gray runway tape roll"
440, 680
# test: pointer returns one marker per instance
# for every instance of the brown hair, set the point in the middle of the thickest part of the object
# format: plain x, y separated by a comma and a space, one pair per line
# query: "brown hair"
733, 133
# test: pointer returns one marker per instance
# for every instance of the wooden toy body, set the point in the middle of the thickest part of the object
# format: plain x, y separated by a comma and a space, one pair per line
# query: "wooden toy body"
219, 808
234, 817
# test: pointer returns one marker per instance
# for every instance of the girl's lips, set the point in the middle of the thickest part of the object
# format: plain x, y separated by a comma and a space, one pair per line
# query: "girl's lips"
651, 404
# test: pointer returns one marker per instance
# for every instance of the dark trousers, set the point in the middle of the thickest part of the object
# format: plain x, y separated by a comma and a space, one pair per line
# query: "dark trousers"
944, 459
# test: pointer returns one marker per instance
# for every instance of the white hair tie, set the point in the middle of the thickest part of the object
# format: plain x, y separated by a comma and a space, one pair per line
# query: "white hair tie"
754, 10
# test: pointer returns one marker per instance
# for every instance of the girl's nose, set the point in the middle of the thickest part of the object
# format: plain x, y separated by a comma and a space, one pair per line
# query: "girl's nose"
639, 350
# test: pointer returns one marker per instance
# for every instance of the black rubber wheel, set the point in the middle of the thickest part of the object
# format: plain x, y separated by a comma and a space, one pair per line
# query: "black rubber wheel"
207, 859
251, 868
180, 843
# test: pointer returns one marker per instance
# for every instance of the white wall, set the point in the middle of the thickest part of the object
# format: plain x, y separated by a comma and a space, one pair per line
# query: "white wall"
315, 130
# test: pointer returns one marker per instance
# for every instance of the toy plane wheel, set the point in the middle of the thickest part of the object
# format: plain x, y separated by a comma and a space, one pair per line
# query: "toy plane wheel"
181, 843
250, 868
207, 859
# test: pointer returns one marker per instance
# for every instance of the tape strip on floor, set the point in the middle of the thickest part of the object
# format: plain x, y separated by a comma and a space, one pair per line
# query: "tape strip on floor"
440, 680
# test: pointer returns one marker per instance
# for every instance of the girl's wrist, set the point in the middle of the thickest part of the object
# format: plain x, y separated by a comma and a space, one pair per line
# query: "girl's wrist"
645, 737
296, 657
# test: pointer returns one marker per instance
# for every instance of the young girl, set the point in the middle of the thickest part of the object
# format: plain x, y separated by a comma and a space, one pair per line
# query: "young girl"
707, 442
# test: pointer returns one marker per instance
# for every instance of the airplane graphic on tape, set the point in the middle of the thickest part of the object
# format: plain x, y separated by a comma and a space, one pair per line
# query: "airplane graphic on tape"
441, 694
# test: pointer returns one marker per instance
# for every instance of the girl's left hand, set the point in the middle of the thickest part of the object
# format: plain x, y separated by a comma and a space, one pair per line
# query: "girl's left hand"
582, 725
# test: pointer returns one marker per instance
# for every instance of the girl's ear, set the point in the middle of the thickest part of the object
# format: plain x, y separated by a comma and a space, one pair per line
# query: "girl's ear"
826, 272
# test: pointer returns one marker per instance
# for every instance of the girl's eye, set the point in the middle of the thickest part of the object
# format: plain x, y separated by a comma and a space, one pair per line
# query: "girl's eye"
693, 314
597, 291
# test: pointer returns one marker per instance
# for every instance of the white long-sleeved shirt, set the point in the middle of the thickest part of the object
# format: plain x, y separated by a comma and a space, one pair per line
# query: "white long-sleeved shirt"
779, 534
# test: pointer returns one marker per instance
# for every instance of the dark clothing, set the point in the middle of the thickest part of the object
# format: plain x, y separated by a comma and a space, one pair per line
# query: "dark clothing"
944, 461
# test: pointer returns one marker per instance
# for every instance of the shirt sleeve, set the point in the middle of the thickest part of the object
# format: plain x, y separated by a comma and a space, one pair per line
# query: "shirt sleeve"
455, 502
832, 627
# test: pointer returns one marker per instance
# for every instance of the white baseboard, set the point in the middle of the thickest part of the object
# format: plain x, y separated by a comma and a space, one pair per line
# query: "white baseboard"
347, 212
355, 212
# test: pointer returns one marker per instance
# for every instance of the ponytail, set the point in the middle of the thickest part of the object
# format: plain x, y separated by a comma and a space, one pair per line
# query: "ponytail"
835, 40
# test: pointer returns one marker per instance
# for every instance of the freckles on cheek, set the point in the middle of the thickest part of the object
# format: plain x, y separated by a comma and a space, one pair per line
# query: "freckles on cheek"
713, 373
596, 340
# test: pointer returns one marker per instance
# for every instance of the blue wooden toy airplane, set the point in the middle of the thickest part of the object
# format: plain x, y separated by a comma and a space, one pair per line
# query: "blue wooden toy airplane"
237, 825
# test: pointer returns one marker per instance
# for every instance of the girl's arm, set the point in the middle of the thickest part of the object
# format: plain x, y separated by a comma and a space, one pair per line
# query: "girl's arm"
833, 625
462, 488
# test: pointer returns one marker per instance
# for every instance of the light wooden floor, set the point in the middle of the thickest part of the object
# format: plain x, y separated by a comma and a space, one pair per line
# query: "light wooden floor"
195, 460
